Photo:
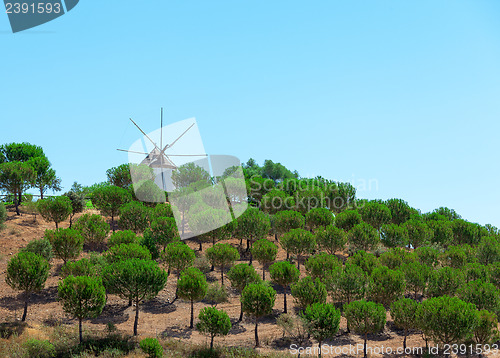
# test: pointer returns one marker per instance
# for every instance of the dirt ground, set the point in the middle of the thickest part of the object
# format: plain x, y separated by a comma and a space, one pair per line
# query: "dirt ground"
161, 317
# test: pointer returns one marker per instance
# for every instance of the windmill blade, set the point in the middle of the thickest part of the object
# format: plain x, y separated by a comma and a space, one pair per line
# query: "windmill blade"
131, 151
186, 155
179, 137
145, 134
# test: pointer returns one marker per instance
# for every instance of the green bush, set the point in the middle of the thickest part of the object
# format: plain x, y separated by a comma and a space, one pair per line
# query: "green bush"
3, 214
134, 216
151, 347
93, 228
122, 237
308, 291
39, 349
41, 247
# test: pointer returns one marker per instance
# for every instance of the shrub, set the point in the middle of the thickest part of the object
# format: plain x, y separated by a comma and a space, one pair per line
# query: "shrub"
457, 256
447, 320
216, 294
331, 239
163, 231
308, 291
27, 272
56, 209
264, 251
318, 217
350, 285
122, 237
127, 251
41, 247
134, 216
287, 220
241, 275
39, 348
483, 294
376, 214
93, 228
365, 260
416, 277
91, 266
386, 285
395, 257
363, 237
109, 199
82, 297
476, 271
213, 322
299, 242
3, 215
393, 235
222, 255
488, 250
348, 219
419, 233
151, 347
135, 280
404, 314
323, 321
66, 243
365, 317
444, 281
283, 273
178, 256
323, 266
486, 331
258, 300
192, 286
427, 255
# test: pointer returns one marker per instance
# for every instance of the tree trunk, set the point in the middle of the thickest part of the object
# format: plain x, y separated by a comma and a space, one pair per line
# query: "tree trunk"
212, 343
248, 245
276, 237
57, 226
284, 302
256, 333
319, 351
25, 312
263, 272
16, 204
366, 338
241, 312
80, 329
113, 223
404, 340
130, 302
222, 275
20, 197
136, 321
251, 259
298, 262
191, 324
41, 193
201, 246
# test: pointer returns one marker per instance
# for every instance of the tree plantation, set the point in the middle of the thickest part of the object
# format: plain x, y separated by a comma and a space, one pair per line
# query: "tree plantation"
307, 263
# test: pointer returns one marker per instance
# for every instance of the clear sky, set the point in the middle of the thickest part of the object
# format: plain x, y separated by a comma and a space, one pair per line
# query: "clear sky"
402, 92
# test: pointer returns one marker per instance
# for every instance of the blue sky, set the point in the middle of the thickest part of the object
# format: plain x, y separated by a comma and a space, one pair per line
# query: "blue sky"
404, 93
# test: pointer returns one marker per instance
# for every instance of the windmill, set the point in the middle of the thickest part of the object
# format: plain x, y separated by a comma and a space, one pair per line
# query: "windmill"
158, 159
